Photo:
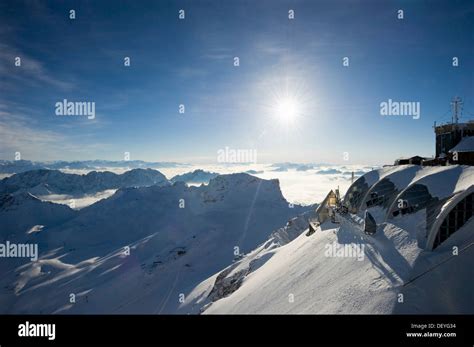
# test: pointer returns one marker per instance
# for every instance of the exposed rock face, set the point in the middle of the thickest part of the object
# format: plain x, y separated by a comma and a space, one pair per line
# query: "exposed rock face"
225, 285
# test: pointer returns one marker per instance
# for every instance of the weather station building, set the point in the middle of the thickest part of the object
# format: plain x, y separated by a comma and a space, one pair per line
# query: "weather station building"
455, 141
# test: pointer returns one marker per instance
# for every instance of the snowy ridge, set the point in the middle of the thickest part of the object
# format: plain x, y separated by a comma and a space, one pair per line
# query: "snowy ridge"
45, 182
172, 249
300, 277
230, 279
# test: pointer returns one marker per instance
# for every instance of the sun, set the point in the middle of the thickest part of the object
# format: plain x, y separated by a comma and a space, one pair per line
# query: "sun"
287, 110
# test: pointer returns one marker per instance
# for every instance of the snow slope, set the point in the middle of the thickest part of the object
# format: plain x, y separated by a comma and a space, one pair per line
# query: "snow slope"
301, 277
23, 219
171, 249
19, 213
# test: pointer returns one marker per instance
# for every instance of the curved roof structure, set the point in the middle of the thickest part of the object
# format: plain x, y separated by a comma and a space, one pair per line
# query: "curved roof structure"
408, 189
357, 192
384, 192
463, 200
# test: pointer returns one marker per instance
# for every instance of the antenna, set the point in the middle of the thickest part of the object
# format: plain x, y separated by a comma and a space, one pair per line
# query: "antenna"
457, 107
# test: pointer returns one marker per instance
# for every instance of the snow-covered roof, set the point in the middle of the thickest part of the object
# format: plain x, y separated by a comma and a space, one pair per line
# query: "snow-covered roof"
440, 181
433, 189
356, 193
466, 145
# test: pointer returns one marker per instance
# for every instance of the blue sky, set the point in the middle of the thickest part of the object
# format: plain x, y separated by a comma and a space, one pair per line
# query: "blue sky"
190, 62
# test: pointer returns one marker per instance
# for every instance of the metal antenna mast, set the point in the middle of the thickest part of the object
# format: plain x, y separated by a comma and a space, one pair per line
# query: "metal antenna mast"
457, 107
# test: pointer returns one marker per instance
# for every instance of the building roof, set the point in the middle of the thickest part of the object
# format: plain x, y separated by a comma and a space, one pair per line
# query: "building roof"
432, 189
410, 158
449, 127
466, 145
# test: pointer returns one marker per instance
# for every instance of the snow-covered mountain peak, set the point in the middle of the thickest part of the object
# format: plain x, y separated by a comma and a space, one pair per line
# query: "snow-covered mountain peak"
198, 176
240, 185
143, 177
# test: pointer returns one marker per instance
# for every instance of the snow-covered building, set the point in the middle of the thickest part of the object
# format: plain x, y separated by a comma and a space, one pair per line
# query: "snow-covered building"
454, 145
440, 200
450, 135
454, 142
415, 160
324, 210
463, 152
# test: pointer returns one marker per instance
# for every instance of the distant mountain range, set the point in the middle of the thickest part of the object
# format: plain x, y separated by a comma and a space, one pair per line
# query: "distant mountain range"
16, 166
44, 182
